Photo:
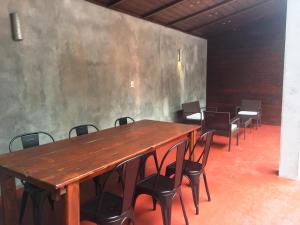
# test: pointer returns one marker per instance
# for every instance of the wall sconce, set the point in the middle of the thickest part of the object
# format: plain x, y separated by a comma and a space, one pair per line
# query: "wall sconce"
15, 27
179, 55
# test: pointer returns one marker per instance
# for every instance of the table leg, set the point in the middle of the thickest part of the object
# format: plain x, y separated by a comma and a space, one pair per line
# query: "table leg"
73, 204
10, 210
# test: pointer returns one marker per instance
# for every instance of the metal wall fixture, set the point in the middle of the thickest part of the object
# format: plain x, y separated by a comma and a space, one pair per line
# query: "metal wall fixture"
16, 27
179, 55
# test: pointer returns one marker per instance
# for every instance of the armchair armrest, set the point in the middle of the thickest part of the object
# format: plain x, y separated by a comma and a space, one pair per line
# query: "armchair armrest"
235, 120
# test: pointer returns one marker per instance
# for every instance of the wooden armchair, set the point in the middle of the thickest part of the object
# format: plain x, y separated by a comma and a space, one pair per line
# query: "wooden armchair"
250, 109
222, 124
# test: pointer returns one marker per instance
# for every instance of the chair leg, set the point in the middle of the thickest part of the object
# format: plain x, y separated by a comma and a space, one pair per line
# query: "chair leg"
237, 138
195, 182
23, 206
206, 186
166, 209
154, 203
229, 143
166, 214
183, 208
260, 122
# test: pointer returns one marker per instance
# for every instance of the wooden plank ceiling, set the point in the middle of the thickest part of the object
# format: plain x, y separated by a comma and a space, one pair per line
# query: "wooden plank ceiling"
202, 18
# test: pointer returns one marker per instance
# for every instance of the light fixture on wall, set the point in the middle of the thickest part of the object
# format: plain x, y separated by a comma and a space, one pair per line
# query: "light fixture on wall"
179, 55
16, 27
180, 68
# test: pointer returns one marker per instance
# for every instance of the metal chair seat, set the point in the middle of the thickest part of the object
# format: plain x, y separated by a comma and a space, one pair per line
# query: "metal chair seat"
111, 208
164, 186
189, 168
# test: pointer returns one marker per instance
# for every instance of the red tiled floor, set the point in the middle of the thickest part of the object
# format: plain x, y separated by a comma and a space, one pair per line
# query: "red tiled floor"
244, 186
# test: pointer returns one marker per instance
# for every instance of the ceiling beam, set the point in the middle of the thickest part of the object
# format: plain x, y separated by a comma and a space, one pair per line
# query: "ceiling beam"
211, 8
228, 16
114, 3
162, 8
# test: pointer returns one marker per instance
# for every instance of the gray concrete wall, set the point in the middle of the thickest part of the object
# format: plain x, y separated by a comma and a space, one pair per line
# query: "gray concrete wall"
290, 129
76, 62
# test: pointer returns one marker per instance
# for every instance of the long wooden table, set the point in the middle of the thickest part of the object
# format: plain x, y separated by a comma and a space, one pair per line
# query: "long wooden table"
60, 166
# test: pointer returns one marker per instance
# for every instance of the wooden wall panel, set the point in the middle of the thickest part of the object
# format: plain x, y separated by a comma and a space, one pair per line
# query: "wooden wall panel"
248, 63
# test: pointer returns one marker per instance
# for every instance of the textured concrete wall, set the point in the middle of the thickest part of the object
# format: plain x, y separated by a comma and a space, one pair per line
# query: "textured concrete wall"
290, 129
76, 62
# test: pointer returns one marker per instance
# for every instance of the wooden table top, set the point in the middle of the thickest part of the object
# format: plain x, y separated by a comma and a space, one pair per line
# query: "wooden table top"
55, 165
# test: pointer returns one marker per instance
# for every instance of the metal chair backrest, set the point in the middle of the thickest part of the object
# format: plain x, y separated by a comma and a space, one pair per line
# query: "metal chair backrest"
82, 129
123, 121
29, 140
219, 121
130, 169
180, 149
207, 137
191, 108
250, 105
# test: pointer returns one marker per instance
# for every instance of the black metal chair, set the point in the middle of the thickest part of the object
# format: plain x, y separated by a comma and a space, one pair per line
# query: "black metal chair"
82, 129
192, 169
163, 188
37, 195
123, 121
109, 208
